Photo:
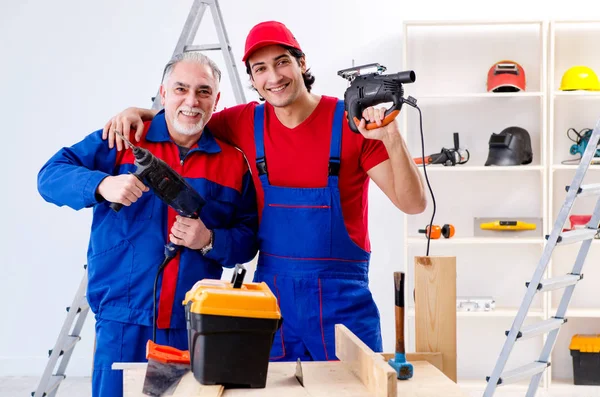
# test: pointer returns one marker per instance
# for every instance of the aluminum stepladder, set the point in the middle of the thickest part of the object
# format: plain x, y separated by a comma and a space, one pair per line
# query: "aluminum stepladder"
70, 334
551, 326
67, 339
190, 28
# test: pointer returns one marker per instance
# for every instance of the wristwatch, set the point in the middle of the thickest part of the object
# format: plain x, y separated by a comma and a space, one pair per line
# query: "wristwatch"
205, 250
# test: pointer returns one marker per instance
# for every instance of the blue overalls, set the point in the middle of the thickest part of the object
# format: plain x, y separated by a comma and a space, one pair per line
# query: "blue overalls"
318, 274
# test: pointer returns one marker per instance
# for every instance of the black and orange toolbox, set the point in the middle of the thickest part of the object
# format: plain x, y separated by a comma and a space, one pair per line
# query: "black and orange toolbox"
585, 350
230, 332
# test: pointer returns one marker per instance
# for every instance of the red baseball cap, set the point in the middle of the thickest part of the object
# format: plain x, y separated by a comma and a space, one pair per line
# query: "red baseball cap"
268, 33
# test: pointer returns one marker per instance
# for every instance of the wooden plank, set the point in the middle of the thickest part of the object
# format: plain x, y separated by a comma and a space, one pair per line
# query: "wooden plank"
135, 373
377, 375
434, 359
130, 366
322, 379
326, 379
281, 381
332, 379
435, 309
133, 381
189, 387
428, 381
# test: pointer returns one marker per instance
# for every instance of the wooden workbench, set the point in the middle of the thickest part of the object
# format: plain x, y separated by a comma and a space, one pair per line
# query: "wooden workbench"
320, 379
359, 373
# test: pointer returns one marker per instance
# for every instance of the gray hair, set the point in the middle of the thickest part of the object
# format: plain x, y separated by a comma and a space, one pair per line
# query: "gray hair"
191, 56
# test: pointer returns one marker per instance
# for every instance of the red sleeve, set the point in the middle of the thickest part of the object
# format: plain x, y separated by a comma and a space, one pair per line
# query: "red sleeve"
225, 124
373, 153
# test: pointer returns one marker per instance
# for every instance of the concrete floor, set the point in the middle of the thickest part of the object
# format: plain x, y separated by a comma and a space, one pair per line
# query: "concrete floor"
20, 386
81, 387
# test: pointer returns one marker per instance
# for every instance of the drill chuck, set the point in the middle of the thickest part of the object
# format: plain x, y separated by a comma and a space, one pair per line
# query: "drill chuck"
142, 156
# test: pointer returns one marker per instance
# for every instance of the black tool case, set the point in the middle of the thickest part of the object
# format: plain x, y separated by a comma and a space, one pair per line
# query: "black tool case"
230, 333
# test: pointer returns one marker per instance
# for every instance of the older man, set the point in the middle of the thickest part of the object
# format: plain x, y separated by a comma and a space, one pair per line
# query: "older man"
126, 247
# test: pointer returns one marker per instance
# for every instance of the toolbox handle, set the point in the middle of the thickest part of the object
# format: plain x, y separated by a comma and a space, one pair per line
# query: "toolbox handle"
239, 272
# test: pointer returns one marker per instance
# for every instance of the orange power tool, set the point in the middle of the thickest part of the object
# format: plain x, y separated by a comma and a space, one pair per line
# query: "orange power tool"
448, 157
369, 87
436, 231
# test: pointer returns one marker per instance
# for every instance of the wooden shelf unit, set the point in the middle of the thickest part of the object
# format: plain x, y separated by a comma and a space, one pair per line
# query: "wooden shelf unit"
451, 60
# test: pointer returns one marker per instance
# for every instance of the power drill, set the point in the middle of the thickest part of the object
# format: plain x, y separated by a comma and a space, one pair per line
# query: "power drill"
368, 87
168, 186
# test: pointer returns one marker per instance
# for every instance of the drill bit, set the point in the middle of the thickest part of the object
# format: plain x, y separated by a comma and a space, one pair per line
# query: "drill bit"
131, 145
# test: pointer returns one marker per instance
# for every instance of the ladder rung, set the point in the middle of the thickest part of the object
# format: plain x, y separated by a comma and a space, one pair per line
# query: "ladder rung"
83, 305
587, 190
551, 284
540, 328
54, 382
575, 236
524, 372
202, 47
70, 342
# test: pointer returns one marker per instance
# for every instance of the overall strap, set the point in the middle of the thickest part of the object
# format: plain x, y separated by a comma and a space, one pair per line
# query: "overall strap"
335, 151
259, 140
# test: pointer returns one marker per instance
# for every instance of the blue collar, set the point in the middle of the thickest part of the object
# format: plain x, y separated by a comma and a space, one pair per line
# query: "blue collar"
158, 132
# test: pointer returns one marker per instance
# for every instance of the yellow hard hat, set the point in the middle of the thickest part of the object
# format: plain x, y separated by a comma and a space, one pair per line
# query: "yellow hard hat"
579, 78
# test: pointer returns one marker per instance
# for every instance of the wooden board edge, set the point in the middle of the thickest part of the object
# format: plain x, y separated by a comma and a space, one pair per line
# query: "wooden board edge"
125, 365
435, 309
190, 387
376, 374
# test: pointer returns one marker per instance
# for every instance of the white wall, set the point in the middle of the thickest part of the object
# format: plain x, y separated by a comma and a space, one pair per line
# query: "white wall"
68, 65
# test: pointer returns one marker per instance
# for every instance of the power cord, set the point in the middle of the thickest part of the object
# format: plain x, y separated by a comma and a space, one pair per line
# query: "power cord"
580, 134
413, 102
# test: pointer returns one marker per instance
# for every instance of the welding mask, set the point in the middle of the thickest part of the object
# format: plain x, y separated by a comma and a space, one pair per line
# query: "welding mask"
506, 76
512, 146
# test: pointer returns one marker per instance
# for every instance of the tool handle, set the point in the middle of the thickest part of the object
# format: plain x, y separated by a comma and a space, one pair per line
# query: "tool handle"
399, 295
419, 160
117, 206
437, 158
171, 250
166, 354
372, 90
390, 115
239, 273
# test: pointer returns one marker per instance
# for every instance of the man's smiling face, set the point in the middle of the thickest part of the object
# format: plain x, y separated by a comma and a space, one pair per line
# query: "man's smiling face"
277, 75
189, 96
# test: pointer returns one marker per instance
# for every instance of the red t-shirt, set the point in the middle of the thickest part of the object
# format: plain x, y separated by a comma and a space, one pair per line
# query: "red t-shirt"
299, 157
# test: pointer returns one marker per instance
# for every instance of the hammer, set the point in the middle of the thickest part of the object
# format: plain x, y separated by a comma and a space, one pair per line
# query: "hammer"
403, 368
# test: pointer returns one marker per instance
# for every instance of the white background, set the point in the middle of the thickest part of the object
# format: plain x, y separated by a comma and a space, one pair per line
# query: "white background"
67, 66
